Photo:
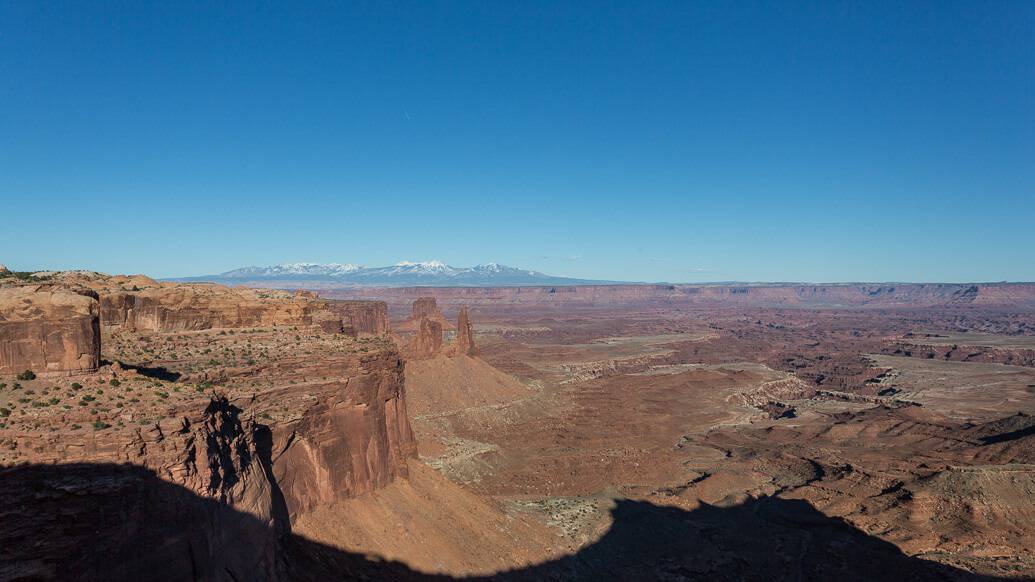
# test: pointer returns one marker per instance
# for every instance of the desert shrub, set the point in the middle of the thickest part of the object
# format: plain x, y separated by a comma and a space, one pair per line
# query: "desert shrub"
114, 382
27, 375
98, 425
77, 386
5, 412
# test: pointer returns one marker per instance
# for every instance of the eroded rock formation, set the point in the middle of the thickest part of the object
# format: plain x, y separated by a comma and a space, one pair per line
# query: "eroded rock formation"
425, 308
427, 341
49, 330
138, 303
195, 307
212, 486
361, 317
351, 436
199, 489
464, 344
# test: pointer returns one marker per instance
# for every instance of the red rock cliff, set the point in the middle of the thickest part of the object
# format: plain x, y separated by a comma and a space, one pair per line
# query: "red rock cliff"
351, 435
49, 330
364, 317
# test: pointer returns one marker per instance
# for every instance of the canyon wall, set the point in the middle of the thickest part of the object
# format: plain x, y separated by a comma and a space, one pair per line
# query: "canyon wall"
48, 330
346, 437
196, 307
1012, 356
183, 307
209, 480
363, 317
208, 489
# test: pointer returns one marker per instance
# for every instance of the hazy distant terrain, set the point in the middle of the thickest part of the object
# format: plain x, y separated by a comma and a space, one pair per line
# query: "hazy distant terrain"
404, 274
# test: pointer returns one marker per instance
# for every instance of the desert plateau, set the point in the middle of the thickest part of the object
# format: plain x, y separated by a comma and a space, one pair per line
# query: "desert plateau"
231, 433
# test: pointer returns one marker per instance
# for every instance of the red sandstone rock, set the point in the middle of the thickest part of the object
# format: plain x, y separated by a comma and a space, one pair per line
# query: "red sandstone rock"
142, 304
353, 437
464, 344
427, 342
363, 317
425, 307
48, 330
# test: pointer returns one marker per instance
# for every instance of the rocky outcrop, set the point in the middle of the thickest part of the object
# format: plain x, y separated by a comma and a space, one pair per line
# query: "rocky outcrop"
352, 436
209, 489
361, 317
958, 352
427, 341
464, 344
199, 495
133, 304
49, 330
425, 308
173, 307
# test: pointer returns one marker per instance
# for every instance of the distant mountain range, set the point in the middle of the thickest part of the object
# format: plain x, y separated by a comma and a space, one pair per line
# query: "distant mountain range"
404, 274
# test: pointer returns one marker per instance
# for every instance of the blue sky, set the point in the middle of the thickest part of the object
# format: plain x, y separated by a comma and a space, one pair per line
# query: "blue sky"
683, 141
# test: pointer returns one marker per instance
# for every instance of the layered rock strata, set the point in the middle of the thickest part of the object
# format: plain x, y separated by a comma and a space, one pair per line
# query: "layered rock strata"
48, 330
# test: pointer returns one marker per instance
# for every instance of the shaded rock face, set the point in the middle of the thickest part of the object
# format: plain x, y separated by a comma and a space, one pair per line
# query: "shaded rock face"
464, 344
353, 437
84, 522
49, 330
427, 341
210, 494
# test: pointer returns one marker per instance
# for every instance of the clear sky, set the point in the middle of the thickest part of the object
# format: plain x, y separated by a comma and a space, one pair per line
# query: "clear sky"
655, 141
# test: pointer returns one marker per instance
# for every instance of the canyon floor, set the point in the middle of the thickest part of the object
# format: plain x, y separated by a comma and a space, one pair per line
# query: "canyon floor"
254, 438
572, 415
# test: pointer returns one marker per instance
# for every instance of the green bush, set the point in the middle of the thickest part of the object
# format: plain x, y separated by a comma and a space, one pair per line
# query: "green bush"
27, 375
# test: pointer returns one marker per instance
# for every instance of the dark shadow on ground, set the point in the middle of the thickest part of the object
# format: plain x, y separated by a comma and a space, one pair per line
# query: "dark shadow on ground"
156, 372
122, 522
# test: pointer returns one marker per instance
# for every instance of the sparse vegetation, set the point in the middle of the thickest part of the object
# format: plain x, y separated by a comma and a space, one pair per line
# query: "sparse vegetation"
27, 375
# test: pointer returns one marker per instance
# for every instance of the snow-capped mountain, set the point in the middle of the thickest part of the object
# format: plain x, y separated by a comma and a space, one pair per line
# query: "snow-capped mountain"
293, 269
402, 274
